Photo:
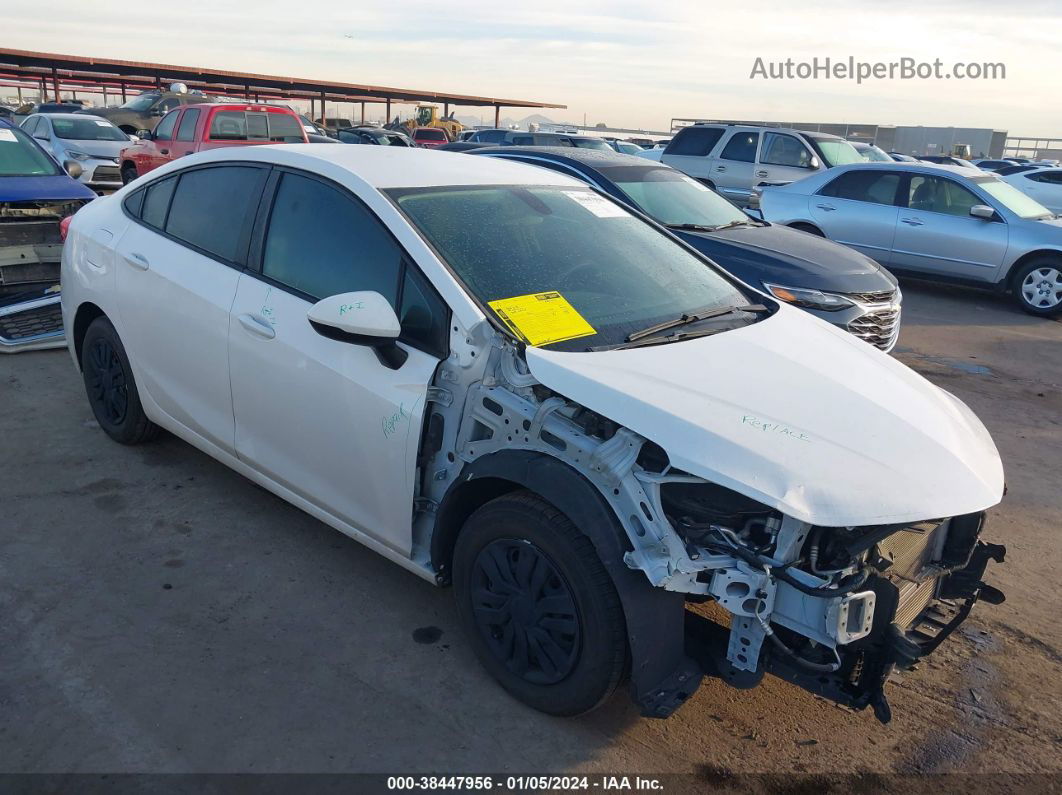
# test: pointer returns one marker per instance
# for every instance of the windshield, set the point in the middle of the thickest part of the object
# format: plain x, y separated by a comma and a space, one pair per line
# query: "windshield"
1013, 199
672, 198
430, 134
533, 253
837, 153
20, 157
628, 149
87, 129
142, 102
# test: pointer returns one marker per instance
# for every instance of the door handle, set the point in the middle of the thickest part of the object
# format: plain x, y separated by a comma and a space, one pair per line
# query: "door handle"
257, 325
761, 173
827, 207
911, 221
138, 261
164, 151
720, 168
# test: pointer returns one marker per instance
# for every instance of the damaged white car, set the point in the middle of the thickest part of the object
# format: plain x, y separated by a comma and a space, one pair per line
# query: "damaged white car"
507, 382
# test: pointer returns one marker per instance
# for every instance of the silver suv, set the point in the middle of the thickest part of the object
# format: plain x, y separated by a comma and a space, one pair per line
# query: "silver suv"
733, 159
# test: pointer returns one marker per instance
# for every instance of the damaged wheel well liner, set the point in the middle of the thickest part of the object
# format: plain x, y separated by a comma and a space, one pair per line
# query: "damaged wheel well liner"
662, 675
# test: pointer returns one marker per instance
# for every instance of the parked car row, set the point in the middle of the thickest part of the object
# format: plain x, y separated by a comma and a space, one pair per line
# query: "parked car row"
511, 378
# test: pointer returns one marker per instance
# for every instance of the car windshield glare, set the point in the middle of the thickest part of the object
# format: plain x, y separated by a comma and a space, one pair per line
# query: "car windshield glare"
614, 269
87, 129
1013, 199
838, 153
672, 198
20, 157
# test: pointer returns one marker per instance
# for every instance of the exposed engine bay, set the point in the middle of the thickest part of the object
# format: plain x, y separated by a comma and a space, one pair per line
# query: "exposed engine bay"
833, 609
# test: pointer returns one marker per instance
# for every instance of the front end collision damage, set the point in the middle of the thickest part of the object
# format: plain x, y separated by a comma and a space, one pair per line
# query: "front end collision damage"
832, 609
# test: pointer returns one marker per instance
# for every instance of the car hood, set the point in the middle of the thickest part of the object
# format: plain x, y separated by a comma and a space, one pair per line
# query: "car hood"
797, 415
107, 149
791, 258
53, 188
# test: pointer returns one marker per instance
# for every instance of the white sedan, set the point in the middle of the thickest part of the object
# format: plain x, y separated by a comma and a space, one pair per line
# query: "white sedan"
1042, 184
503, 380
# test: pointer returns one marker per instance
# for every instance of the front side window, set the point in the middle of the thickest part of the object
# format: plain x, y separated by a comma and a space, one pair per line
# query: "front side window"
210, 206
21, 157
169, 104
672, 198
164, 130
141, 103
937, 195
186, 131
741, 147
322, 243
530, 243
696, 141
784, 150
835, 152
876, 187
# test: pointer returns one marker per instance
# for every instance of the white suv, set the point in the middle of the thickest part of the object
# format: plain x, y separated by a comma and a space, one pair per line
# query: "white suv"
733, 159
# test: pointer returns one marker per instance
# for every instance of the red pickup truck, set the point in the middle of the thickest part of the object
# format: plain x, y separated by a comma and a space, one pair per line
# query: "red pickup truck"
195, 128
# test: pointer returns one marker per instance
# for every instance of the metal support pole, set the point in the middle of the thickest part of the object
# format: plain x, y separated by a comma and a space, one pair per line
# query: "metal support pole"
324, 115
497, 116
55, 84
123, 92
388, 114
446, 109
362, 114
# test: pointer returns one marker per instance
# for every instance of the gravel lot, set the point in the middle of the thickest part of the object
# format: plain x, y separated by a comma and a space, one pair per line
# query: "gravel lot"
160, 613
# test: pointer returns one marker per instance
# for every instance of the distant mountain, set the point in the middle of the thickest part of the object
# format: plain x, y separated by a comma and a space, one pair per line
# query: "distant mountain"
506, 121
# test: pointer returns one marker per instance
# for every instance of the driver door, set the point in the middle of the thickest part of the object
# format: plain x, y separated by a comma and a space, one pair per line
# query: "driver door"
324, 418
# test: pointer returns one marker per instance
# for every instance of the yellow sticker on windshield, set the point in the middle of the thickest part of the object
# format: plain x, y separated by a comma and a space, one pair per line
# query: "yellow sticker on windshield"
542, 318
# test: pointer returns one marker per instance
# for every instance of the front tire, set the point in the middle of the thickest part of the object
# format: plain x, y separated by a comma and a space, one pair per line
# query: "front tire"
538, 607
1037, 286
128, 173
110, 386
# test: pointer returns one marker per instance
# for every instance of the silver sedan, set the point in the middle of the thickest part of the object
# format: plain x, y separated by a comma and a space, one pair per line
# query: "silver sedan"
940, 222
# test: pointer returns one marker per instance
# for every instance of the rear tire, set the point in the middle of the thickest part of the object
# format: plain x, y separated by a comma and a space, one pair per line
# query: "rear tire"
538, 607
128, 173
809, 228
110, 386
1037, 286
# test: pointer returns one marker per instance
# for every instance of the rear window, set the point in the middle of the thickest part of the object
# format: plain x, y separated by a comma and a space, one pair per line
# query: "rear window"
431, 135
239, 125
21, 157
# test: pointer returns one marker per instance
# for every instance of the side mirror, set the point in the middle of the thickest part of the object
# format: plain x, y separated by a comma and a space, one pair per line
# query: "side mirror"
143, 135
361, 318
815, 162
73, 168
983, 211
157, 111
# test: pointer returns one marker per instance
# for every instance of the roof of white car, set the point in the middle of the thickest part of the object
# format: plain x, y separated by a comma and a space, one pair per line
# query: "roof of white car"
395, 166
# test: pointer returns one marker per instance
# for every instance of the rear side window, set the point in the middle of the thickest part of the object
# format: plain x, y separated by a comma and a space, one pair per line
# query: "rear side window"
741, 147
489, 136
186, 132
157, 202
210, 206
694, 141
876, 187
164, 129
784, 150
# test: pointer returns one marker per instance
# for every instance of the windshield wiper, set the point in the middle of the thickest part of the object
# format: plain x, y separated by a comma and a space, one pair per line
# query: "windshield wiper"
732, 224
693, 317
706, 228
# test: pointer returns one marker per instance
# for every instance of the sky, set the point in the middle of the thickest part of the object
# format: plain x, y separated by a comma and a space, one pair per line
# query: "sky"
624, 64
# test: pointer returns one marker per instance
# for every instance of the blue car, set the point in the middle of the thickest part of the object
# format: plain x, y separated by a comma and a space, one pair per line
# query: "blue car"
35, 195
836, 283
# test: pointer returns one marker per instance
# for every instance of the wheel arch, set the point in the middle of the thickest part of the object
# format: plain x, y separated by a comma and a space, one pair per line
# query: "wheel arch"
807, 226
662, 675
86, 313
1008, 280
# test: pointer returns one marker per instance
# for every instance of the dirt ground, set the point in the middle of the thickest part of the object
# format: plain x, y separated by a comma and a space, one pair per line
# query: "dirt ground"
160, 613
